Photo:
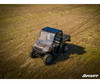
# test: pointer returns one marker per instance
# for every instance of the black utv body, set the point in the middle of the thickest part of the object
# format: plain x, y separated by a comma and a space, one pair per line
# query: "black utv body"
50, 44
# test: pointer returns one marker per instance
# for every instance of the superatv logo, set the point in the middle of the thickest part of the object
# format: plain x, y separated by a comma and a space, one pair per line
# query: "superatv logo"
85, 75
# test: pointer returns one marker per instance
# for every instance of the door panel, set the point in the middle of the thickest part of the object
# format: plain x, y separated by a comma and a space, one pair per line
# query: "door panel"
57, 42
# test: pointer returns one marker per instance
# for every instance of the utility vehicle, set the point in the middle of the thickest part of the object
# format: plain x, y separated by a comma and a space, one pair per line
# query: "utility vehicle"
50, 44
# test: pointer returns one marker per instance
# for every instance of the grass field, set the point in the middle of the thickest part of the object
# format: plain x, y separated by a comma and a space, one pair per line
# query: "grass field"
20, 26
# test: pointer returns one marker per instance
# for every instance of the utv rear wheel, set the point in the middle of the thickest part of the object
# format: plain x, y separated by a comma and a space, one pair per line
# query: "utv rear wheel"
32, 54
66, 48
47, 59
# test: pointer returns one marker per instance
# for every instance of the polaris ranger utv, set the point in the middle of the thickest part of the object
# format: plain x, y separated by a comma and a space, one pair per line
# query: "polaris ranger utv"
50, 44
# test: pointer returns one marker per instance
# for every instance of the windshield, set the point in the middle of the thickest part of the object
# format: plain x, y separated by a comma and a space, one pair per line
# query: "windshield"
46, 37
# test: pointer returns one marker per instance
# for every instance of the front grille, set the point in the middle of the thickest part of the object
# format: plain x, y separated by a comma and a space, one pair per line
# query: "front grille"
37, 50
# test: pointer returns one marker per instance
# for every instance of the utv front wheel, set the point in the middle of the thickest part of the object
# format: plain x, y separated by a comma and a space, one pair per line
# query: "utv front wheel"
47, 59
32, 54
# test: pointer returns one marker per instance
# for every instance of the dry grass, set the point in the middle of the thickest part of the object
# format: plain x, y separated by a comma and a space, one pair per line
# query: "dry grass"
19, 29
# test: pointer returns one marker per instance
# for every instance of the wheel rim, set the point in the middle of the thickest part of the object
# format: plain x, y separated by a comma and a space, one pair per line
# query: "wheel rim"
66, 49
49, 59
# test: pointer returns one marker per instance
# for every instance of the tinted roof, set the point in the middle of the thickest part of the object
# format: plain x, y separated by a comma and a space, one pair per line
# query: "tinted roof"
52, 30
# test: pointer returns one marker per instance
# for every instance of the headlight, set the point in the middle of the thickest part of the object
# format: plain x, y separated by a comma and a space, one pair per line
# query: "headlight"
46, 49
